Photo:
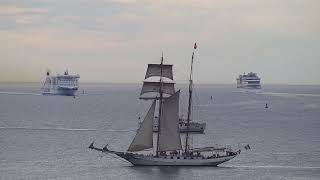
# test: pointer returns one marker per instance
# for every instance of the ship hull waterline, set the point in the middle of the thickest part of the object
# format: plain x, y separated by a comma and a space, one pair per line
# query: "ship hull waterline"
140, 160
63, 92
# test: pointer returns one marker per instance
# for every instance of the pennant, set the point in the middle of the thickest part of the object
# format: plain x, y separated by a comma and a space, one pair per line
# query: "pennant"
247, 147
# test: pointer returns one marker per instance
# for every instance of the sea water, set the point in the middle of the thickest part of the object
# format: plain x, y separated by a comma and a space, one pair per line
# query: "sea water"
47, 137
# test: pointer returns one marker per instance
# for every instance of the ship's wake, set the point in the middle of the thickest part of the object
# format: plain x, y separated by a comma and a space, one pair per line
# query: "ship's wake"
274, 166
46, 129
289, 94
19, 93
64, 129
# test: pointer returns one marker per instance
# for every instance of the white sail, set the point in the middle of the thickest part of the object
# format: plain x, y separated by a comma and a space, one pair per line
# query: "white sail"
167, 87
144, 137
155, 70
169, 138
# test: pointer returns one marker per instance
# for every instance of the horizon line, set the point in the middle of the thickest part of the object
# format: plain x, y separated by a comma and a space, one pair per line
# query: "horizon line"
201, 83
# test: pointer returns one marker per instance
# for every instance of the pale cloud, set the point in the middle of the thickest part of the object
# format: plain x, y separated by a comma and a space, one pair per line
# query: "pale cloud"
61, 39
21, 15
13, 10
97, 37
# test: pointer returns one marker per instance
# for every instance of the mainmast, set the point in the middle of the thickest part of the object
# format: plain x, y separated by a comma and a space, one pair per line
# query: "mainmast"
190, 102
160, 106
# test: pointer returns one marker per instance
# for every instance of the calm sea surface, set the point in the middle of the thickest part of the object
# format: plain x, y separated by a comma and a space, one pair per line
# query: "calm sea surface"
46, 137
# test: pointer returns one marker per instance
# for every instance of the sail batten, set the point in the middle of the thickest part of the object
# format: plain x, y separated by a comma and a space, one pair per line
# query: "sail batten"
167, 87
155, 70
144, 137
169, 130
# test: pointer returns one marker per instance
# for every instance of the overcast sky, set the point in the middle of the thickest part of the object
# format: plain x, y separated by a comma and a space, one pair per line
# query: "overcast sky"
114, 40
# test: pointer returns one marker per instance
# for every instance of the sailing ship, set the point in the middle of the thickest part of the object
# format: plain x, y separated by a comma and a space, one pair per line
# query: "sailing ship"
168, 148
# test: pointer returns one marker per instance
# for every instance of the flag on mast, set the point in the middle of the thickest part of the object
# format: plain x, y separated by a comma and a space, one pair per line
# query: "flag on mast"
246, 147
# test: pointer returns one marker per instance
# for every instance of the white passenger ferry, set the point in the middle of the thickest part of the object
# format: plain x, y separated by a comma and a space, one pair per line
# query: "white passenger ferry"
249, 81
65, 85
194, 127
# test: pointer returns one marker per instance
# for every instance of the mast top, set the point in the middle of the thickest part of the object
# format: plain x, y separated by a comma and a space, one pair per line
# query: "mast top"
189, 102
162, 57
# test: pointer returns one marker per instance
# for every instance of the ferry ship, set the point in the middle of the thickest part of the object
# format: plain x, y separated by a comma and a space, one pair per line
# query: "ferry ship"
194, 127
64, 85
249, 81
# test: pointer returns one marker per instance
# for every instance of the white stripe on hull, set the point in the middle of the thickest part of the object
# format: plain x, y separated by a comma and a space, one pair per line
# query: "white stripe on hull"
161, 161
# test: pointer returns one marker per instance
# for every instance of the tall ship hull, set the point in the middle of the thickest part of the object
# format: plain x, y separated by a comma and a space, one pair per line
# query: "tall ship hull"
142, 160
63, 85
249, 81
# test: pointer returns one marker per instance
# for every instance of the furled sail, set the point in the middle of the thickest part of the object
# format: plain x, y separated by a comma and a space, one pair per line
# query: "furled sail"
167, 87
155, 70
169, 138
144, 137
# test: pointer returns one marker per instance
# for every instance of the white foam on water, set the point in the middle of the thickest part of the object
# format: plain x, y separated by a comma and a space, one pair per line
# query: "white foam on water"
119, 130
65, 129
311, 106
203, 105
249, 102
289, 94
19, 93
248, 91
55, 129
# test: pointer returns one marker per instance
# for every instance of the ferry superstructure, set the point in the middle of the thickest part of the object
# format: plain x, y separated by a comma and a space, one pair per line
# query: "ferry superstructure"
249, 81
194, 127
65, 85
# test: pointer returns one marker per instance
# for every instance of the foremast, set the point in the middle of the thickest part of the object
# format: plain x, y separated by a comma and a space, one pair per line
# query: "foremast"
160, 87
189, 101
160, 107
